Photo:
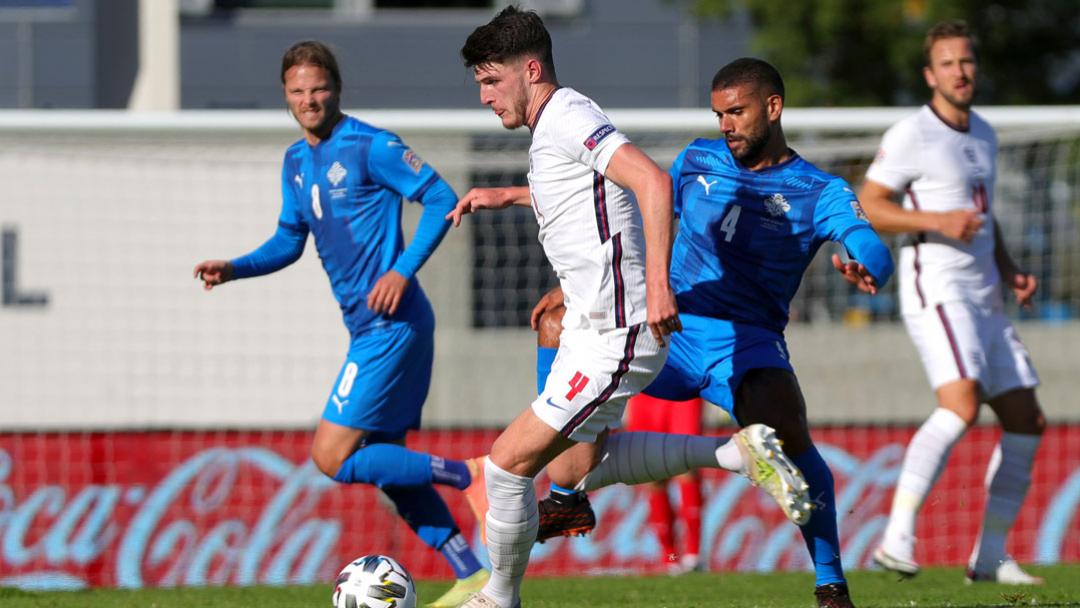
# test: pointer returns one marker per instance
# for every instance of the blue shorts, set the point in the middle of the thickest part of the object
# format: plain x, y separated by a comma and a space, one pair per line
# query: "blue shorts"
709, 358
384, 382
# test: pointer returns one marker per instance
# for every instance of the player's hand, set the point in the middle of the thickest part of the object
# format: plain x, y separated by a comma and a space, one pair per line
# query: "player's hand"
662, 312
480, 198
961, 225
213, 272
550, 300
856, 274
1023, 286
385, 296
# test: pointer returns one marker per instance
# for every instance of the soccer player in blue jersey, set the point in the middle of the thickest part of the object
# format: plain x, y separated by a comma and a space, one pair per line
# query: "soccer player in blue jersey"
343, 182
752, 215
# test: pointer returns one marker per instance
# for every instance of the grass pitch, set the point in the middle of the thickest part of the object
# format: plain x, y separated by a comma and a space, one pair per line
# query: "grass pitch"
934, 587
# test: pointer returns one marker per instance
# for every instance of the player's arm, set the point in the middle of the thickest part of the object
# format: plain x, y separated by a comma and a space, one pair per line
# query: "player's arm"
887, 216
1022, 284
284, 247
838, 216
631, 169
489, 198
394, 165
871, 263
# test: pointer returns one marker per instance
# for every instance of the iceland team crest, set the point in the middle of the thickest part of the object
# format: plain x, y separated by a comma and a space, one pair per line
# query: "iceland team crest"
336, 173
777, 205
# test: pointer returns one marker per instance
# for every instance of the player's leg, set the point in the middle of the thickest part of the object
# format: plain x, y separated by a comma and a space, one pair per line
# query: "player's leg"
951, 352
547, 344
634, 458
382, 387
512, 517
686, 419
645, 413
771, 396
585, 396
924, 460
1007, 480
1008, 477
376, 400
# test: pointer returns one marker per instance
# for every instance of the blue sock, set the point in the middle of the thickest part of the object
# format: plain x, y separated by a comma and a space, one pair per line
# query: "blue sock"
391, 465
460, 557
544, 358
426, 513
566, 496
820, 533
450, 472
557, 489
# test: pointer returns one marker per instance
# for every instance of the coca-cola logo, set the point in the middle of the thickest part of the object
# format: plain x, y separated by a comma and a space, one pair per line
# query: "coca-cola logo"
233, 512
186, 530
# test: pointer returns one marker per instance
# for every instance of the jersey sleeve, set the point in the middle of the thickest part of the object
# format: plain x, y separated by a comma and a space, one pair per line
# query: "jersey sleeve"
675, 172
290, 217
897, 162
286, 245
589, 137
839, 217
838, 212
396, 166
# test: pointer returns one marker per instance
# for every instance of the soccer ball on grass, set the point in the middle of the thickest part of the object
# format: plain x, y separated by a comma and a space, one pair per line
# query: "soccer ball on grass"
374, 581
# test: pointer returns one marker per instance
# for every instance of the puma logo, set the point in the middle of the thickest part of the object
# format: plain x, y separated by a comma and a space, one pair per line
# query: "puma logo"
701, 180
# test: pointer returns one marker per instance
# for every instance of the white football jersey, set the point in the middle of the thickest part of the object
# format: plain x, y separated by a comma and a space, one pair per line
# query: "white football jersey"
940, 168
590, 228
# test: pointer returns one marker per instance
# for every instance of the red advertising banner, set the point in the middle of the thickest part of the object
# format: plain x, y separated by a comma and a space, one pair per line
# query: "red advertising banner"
134, 509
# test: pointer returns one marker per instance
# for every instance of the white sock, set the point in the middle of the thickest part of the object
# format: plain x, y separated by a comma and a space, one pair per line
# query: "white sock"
923, 462
1007, 480
512, 520
634, 458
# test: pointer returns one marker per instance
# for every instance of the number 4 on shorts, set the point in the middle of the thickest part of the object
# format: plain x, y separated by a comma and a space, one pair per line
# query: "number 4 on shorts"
577, 384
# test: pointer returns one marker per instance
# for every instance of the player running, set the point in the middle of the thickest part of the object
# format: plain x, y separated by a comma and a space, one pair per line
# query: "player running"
343, 182
952, 268
619, 303
753, 214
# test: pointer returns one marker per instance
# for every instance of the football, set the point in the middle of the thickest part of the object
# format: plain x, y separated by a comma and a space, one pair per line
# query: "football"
374, 581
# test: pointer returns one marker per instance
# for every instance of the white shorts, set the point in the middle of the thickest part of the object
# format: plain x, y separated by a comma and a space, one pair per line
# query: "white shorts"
957, 340
593, 375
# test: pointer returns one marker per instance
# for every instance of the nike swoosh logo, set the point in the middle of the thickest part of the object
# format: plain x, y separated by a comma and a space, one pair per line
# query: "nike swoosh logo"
552, 404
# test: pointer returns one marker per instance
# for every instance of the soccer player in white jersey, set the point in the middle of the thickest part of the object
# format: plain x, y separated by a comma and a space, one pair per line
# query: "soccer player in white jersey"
619, 301
953, 266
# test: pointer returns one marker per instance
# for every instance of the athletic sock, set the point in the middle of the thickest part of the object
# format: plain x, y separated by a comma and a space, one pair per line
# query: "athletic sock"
820, 533
1007, 480
544, 358
923, 462
639, 457
661, 522
460, 557
690, 513
730, 458
428, 516
512, 521
565, 496
388, 465
450, 472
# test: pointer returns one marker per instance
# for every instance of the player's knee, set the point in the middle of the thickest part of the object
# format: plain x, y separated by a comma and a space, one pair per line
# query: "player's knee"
1027, 419
327, 460
550, 327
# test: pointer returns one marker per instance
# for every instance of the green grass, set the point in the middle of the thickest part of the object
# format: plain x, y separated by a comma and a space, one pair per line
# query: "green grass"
934, 587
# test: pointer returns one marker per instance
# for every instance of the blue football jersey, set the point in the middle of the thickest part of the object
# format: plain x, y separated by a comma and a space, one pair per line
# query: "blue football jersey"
746, 237
347, 191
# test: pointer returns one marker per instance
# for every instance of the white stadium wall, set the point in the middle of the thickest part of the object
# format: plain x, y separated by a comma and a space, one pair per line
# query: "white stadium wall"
103, 327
